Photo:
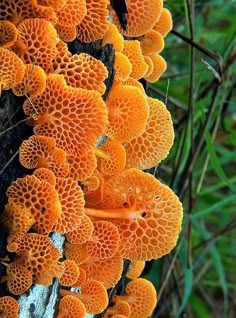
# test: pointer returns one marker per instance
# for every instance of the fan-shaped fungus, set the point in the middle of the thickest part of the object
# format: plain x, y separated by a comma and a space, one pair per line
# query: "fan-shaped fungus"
149, 149
149, 62
94, 197
95, 23
132, 49
105, 240
36, 42
40, 197
91, 184
81, 279
111, 158
71, 307
141, 16
8, 34
9, 307
46, 175
147, 213
11, 69
159, 67
93, 295
72, 203
122, 66
152, 42
82, 233
74, 117
121, 308
107, 271
19, 279
164, 23
135, 269
133, 82
114, 37
33, 83
70, 274
141, 296
76, 252
127, 113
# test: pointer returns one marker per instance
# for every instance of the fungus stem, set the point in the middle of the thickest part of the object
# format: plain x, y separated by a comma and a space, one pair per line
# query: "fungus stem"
101, 154
118, 213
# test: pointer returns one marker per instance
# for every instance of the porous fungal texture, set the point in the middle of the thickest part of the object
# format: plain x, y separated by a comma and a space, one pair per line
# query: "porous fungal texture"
94, 129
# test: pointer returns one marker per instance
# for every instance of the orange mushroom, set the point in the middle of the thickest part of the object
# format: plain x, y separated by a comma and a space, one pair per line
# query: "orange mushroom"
141, 296
67, 33
164, 24
55, 4
19, 279
135, 269
159, 67
93, 197
76, 252
132, 49
19, 10
93, 295
11, 70
141, 17
113, 36
152, 42
133, 82
95, 23
82, 233
149, 149
81, 279
111, 158
40, 197
9, 307
104, 242
122, 66
149, 62
71, 307
8, 34
91, 184
121, 308
107, 271
127, 113
33, 82
46, 175
17, 218
147, 213
36, 42
70, 274
82, 71
72, 203
74, 117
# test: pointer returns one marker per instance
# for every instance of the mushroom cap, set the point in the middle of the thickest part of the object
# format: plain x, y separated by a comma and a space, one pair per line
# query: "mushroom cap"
149, 62
141, 17
152, 42
91, 184
70, 306
82, 233
95, 23
132, 49
9, 307
19, 10
121, 308
67, 33
72, 203
70, 274
127, 113
11, 70
159, 67
112, 158
164, 24
142, 297
133, 82
107, 271
122, 66
83, 165
81, 279
149, 149
19, 278
16, 218
105, 240
46, 175
114, 37
37, 254
76, 252
37, 39
33, 82
8, 34
40, 197
154, 231
40, 151
94, 197
72, 13
135, 269
82, 71
75, 117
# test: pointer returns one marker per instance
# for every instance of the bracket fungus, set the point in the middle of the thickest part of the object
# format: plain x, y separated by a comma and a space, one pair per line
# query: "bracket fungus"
82, 233
8, 34
71, 307
71, 273
9, 307
164, 24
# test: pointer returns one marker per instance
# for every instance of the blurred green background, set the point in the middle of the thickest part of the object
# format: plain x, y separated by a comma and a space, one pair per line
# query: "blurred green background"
198, 279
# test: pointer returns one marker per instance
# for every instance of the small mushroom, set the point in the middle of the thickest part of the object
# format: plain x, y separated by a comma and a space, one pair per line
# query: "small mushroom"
121, 308
46, 175
159, 67
122, 66
164, 24
71, 273
114, 37
152, 42
82, 233
135, 269
9, 307
71, 307
8, 34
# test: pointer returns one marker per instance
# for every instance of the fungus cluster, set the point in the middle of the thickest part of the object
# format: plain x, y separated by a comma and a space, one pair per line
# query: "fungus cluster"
87, 153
